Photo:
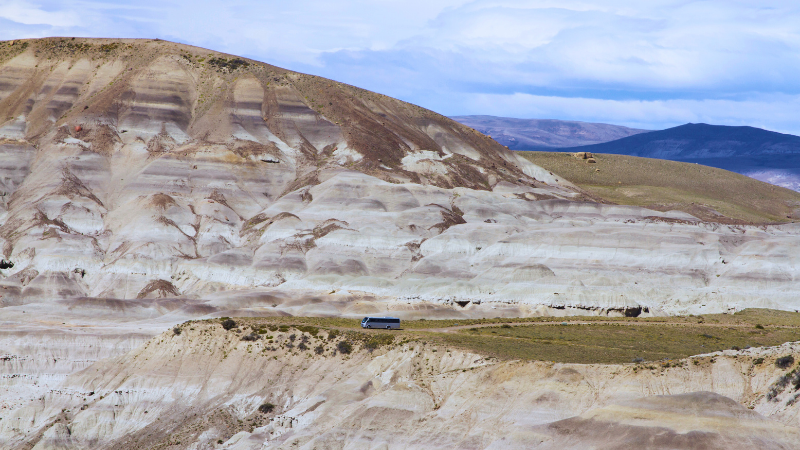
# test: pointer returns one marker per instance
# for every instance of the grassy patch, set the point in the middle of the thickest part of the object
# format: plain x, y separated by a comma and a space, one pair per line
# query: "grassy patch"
705, 192
576, 339
753, 316
612, 343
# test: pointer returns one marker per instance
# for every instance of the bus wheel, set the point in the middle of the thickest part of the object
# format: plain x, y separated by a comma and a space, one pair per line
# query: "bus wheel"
369, 326
388, 327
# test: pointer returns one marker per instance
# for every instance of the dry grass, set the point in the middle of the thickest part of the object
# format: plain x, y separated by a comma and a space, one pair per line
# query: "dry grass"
614, 343
577, 339
710, 194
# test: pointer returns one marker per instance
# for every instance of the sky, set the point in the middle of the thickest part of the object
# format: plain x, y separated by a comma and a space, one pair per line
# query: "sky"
647, 64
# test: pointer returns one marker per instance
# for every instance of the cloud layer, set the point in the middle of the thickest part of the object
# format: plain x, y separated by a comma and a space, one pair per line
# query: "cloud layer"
646, 64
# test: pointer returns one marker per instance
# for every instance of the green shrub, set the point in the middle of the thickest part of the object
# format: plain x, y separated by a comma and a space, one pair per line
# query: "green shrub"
344, 347
251, 337
377, 341
759, 326
176, 331
228, 324
227, 65
319, 350
308, 329
784, 362
266, 408
332, 334
758, 361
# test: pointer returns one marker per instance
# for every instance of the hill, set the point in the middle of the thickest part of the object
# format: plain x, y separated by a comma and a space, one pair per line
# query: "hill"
698, 140
165, 95
761, 154
711, 194
149, 191
278, 383
144, 178
544, 134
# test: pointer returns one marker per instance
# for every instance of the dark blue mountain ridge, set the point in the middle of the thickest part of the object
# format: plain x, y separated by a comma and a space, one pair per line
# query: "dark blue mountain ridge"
700, 141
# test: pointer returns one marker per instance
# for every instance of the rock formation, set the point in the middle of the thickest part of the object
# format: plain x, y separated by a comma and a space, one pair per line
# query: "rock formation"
144, 169
146, 183
203, 388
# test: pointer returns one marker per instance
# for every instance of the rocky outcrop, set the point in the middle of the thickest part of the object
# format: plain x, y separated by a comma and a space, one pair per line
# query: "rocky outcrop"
204, 387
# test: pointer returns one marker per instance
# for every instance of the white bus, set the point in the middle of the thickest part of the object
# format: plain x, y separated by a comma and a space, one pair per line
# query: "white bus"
381, 322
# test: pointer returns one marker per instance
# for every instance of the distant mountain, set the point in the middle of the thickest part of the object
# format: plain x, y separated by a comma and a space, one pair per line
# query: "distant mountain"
544, 134
699, 140
761, 154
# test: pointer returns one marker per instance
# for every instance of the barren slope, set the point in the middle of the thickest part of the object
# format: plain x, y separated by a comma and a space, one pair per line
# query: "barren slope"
136, 170
202, 388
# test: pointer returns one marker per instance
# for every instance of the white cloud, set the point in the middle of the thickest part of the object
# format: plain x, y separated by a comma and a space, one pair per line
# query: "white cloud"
790, 179
27, 13
646, 62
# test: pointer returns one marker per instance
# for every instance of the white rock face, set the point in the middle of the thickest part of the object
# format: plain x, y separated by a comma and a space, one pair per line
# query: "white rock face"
205, 181
358, 233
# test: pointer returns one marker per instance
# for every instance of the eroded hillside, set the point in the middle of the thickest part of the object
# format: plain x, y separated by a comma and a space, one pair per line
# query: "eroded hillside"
260, 385
141, 170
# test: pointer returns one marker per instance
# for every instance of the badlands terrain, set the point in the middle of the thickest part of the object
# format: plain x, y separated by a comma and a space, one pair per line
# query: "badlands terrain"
146, 184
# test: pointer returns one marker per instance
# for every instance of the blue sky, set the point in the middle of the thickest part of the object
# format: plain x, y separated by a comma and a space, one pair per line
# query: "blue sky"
649, 64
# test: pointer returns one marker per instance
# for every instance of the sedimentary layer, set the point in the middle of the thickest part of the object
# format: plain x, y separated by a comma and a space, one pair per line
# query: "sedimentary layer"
203, 388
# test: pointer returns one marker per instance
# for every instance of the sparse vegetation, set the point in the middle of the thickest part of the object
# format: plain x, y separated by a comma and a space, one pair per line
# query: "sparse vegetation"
227, 65
266, 408
587, 339
792, 378
607, 343
228, 323
251, 337
108, 48
784, 362
377, 341
176, 331
308, 329
344, 347
669, 185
